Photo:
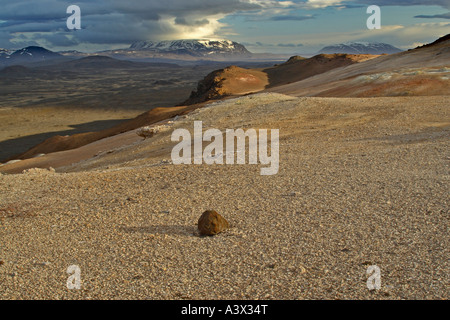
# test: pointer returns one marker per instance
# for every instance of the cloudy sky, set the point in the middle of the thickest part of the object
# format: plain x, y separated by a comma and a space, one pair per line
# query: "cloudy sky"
296, 26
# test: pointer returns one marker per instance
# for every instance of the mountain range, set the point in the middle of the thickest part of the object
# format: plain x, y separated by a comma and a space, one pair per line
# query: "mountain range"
181, 50
360, 48
193, 47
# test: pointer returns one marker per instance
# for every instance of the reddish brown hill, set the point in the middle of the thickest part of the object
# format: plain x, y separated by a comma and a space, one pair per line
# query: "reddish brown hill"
228, 82
298, 68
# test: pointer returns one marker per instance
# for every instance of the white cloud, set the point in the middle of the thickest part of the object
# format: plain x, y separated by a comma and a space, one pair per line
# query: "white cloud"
175, 30
314, 4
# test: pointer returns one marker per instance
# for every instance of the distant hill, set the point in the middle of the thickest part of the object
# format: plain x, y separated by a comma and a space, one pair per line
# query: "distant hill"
229, 81
33, 53
28, 55
360, 48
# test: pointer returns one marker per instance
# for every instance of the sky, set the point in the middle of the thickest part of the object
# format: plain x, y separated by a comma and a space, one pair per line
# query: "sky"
291, 27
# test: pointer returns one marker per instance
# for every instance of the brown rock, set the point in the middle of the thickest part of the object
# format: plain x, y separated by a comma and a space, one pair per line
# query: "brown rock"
211, 223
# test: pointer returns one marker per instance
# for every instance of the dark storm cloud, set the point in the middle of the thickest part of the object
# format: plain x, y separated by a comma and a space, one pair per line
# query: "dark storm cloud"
61, 39
32, 26
436, 16
441, 3
292, 17
111, 21
47, 10
182, 8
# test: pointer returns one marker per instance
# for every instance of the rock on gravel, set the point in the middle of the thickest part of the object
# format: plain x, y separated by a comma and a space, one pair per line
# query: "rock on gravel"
146, 132
211, 223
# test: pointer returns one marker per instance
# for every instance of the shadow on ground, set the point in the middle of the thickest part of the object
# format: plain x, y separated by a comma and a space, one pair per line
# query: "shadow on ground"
163, 229
12, 147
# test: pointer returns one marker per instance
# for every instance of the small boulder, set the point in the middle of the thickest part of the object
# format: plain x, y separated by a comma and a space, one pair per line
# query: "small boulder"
146, 132
211, 223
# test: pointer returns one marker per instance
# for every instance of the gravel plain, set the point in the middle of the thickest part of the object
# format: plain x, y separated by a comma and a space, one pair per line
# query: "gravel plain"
362, 182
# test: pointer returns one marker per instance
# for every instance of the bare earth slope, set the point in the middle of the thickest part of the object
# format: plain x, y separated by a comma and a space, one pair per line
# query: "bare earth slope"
297, 68
422, 71
361, 182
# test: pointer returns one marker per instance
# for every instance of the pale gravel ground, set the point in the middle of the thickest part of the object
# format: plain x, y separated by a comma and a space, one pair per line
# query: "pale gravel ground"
361, 182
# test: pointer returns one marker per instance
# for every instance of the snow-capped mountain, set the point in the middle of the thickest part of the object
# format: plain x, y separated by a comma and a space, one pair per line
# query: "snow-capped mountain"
26, 55
35, 53
360, 48
193, 47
